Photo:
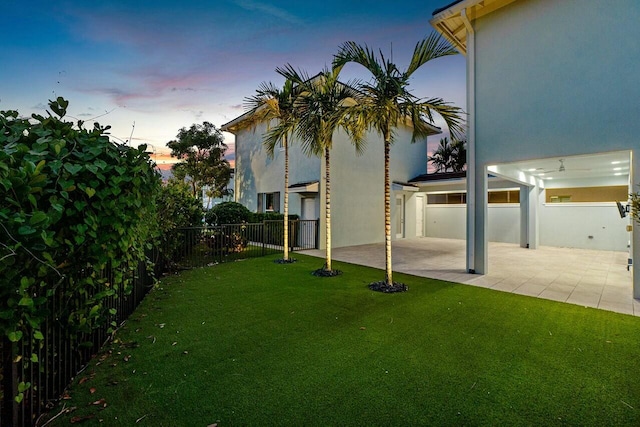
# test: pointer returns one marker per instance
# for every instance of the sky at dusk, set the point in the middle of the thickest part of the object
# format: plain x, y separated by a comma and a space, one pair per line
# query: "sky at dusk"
153, 67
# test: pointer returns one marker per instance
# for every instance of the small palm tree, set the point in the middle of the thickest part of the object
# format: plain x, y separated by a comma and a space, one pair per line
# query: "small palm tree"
459, 155
449, 156
269, 103
323, 105
388, 103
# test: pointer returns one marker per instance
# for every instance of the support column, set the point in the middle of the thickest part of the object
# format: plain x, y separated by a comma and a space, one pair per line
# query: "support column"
635, 233
529, 203
481, 242
471, 148
524, 216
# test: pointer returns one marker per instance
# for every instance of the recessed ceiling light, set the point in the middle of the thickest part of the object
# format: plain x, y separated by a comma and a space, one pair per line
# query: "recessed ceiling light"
618, 173
548, 177
531, 170
616, 163
617, 169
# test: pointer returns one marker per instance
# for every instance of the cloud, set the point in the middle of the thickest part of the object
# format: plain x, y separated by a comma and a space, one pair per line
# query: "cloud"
269, 10
40, 106
196, 113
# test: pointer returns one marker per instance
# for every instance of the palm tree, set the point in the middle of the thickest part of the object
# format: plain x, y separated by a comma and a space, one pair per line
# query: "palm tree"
449, 156
389, 104
324, 105
441, 158
459, 155
271, 102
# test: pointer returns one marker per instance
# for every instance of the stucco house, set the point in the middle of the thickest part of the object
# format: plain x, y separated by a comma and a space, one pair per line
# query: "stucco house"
357, 182
552, 98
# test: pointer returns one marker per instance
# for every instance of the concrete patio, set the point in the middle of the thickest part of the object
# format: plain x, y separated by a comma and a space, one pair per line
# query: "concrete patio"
589, 278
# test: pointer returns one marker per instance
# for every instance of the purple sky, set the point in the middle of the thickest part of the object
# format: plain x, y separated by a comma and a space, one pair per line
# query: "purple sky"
164, 65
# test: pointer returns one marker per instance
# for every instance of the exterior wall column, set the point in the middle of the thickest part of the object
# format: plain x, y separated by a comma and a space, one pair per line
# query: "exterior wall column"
634, 173
529, 234
481, 225
471, 153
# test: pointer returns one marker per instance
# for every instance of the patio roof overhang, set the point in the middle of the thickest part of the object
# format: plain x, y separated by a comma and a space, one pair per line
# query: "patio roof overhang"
403, 186
304, 187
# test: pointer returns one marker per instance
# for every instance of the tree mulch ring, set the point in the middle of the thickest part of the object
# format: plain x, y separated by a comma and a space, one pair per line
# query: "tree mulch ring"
323, 272
285, 261
383, 286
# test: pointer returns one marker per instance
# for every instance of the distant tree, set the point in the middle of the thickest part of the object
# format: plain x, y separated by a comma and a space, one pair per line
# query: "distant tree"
449, 156
459, 155
177, 206
201, 150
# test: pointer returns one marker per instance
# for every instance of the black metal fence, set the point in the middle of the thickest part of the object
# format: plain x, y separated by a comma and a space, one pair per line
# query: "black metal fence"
202, 246
61, 355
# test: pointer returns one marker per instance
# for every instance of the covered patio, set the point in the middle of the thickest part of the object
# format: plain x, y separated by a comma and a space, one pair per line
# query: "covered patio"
590, 278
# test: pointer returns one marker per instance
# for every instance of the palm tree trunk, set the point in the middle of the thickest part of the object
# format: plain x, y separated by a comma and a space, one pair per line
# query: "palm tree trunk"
387, 208
327, 209
286, 198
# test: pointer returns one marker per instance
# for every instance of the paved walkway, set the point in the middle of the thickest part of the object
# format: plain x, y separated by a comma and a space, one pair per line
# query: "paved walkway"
590, 278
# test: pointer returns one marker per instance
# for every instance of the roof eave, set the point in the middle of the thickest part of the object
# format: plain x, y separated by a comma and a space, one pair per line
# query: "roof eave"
449, 21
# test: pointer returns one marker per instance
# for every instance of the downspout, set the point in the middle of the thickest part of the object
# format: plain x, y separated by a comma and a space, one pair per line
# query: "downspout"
471, 141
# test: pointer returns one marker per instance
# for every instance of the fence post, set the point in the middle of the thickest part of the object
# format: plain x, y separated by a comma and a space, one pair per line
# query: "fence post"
317, 234
264, 228
9, 384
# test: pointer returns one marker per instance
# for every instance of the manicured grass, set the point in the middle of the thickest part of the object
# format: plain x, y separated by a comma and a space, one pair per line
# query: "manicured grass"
259, 343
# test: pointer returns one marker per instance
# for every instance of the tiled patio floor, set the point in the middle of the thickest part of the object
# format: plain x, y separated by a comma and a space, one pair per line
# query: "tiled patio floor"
590, 278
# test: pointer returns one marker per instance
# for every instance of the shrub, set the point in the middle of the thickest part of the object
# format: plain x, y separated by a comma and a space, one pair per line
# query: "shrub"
227, 213
72, 202
178, 208
270, 216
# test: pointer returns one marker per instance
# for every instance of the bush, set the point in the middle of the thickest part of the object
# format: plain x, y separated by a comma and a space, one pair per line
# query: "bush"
178, 208
227, 213
258, 217
72, 202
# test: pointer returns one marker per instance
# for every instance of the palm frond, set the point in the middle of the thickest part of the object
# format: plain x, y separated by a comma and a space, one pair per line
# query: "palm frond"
432, 47
352, 52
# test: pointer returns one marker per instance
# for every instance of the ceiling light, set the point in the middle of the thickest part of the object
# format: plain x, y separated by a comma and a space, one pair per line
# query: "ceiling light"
617, 169
616, 162
548, 177
618, 173
531, 170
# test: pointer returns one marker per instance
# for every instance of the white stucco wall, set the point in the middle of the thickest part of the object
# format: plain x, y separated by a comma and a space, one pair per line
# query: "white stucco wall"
552, 79
357, 186
449, 222
357, 190
561, 225
556, 78
258, 173
570, 225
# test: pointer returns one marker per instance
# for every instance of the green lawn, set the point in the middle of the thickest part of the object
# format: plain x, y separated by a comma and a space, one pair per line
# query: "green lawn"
258, 343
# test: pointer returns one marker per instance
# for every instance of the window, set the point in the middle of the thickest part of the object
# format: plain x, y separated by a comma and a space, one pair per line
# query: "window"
609, 193
447, 199
508, 196
269, 202
502, 196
